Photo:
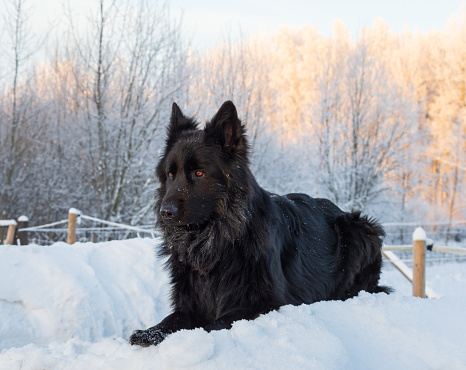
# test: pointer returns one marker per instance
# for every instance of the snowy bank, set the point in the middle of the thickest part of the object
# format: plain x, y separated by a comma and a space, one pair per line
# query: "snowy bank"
74, 306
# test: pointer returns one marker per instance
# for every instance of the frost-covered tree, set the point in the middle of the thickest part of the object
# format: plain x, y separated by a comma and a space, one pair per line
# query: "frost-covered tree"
20, 114
127, 68
359, 120
239, 71
447, 119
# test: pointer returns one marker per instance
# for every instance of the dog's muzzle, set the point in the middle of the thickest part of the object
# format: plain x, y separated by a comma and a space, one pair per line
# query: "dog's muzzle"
168, 211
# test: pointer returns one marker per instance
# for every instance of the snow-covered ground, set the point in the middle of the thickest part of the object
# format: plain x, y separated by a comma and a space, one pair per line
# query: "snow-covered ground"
73, 307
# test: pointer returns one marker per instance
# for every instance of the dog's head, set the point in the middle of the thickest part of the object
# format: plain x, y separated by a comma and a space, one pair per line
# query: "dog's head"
197, 167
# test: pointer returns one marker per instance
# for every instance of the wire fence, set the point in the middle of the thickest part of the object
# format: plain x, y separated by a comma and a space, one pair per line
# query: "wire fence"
90, 229
440, 232
93, 229
83, 235
432, 257
398, 235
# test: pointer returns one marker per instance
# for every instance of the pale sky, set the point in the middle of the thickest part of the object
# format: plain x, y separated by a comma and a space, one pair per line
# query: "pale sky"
207, 21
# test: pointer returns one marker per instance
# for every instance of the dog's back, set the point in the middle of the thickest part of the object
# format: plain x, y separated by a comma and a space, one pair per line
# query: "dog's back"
325, 253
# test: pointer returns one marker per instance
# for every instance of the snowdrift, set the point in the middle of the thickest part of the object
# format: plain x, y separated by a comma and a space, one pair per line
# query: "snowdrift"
74, 307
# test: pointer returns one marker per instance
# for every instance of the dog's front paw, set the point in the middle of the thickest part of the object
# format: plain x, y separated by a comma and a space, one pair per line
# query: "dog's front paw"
146, 338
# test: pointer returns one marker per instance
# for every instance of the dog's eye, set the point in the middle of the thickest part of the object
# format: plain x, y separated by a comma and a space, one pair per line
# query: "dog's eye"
170, 175
199, 173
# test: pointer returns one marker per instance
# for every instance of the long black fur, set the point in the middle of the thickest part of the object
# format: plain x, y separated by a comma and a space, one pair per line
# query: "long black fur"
234, 250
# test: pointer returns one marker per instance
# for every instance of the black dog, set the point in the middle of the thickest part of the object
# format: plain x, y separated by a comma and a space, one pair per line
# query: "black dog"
236, 251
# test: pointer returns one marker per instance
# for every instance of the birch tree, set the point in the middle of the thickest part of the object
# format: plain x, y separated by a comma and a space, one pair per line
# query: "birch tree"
448, 123
19, 123
128, 67
360, 120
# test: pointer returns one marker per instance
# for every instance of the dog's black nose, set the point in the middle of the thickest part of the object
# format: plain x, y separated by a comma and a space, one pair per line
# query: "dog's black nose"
168, 211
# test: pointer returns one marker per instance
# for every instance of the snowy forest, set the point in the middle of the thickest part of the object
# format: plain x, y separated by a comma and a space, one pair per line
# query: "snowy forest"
376, 122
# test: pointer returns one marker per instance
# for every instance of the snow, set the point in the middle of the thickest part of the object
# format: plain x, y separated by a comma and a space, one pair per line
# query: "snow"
23, 219
75, 306
419, 234
5, 223
75, 211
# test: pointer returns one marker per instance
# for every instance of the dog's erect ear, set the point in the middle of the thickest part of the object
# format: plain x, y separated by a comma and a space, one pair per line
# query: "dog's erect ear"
225, 127
179, 122
177, 114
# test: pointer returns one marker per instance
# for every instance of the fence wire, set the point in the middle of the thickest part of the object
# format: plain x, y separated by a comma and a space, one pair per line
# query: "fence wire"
98, 230
440, 233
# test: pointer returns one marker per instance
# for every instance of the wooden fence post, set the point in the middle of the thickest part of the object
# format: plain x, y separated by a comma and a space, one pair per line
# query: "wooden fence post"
10, 236
23, 223
73, 214
419, 263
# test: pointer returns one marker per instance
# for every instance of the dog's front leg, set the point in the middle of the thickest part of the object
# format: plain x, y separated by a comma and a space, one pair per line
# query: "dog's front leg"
224, 322
156, 334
